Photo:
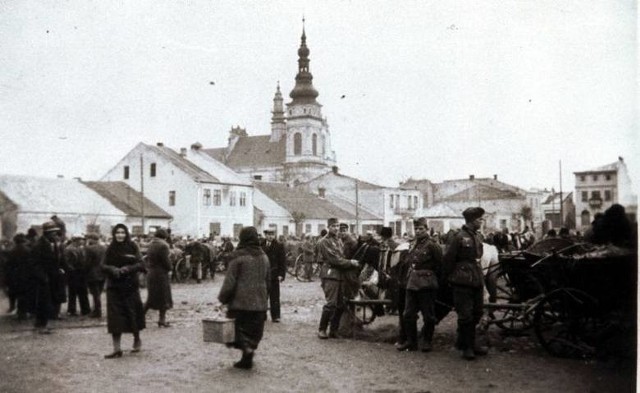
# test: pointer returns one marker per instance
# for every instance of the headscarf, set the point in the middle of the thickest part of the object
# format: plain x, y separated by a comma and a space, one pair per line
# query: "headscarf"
116, 249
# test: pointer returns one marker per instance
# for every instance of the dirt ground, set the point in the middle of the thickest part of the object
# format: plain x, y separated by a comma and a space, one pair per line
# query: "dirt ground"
290, 358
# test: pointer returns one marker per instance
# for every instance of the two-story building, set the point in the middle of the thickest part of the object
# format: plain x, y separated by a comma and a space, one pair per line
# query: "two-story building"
202, 201
598, 188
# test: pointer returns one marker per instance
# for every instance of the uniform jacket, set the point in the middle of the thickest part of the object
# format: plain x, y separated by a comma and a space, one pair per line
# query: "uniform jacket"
247, 281
330, 254
277, 258
95, 259
423, 255
463, 255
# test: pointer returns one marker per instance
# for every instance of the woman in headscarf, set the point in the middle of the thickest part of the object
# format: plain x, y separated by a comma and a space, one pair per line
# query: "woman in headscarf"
158, 285
245, 293
125, 313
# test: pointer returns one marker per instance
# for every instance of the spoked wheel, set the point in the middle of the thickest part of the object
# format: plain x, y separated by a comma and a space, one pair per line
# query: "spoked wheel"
566, 323
515, 319
182, 270
299, 269
291, 264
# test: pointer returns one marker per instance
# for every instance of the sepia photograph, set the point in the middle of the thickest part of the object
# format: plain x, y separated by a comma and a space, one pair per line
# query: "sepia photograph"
303, 196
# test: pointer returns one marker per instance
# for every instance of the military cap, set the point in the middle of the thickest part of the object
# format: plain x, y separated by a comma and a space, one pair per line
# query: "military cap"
50, 226
472, 213
344, 225
386, 232
269, 231
332, 221
420, 221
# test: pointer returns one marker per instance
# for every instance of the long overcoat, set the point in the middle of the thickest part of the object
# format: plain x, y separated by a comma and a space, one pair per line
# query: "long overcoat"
158, 283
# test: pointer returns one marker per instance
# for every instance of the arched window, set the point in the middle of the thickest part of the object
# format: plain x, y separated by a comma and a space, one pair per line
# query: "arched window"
297, 144
585, 218
314, 144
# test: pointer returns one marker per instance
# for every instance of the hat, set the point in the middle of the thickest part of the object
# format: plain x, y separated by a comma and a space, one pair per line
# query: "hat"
420, 222
50, 226
248, 235
161, 233
386, 232
332, 221
269, 232
77, 236
472, 213
344, 225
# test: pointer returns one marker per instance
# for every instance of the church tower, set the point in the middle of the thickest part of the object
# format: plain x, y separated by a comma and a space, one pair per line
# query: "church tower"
308, 144
278, 120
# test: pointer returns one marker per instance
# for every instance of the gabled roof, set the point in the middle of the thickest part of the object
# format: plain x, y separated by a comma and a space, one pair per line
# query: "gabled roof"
126, 199
441, 210
46, 195
344, 204
555, 198
295, 200
183, 164
465, 184
222, 172
482, 192
613, 167
362, 185
252, 152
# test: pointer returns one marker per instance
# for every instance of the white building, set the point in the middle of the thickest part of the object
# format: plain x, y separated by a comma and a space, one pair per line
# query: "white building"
202, 201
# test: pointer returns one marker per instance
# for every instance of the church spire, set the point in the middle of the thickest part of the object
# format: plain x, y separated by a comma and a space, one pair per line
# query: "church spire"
278, 123
303, 92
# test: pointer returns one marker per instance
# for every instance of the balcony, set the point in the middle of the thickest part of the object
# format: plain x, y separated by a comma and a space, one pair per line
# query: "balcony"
404, 211
595, 203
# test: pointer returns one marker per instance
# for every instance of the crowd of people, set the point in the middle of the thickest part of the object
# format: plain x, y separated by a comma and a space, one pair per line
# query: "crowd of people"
40, 273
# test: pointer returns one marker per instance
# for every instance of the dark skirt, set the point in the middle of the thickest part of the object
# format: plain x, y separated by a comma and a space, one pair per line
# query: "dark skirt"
125, 313
158, 290
249, 327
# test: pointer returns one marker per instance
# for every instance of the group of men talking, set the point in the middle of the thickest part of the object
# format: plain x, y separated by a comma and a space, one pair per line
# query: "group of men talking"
425, 269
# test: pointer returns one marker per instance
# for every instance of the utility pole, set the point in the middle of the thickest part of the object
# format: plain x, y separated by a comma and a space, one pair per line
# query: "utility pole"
142, 192
357, 210
561, 208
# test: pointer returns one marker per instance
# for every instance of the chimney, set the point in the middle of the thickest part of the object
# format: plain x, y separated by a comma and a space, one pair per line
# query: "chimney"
60, 176
495, 177
196, 146
334, 169
160, 144
472, 177
183, 152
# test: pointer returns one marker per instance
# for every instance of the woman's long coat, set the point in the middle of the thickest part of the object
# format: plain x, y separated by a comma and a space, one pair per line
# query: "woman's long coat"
158, 283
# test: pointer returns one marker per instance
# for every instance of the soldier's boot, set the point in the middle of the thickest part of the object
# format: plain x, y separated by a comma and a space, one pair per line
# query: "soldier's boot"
324, 323
478, 349
411, 329
335, 323
427, 337
466, 336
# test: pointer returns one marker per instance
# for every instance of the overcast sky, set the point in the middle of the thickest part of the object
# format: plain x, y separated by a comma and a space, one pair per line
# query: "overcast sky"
432, 89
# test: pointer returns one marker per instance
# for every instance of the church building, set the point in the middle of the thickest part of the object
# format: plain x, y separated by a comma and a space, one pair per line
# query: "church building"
299, 146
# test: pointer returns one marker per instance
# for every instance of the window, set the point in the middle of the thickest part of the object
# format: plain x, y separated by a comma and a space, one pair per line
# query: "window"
307, 228
585, 196
136, 230
257, 177
236, 230
285, 230
585, 218
321, 192
172, 198
409, 201
415, 202
152, 170
232, 198
314, 144
595, 195
321, 227
217, 198
391, 201
607, 177
583, 178
595, 177
206, 197
126, 172
297, 144
397, 200
607, 195
243, 199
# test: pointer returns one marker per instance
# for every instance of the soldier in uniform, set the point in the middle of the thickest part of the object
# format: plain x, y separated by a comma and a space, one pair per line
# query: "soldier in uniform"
462, 267
424, 263
334, 265
278, 262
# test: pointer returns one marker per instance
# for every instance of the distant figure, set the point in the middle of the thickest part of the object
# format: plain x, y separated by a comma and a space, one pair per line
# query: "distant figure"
278, 262
245, 292
125, 313
75, 258
95, 250
158, 282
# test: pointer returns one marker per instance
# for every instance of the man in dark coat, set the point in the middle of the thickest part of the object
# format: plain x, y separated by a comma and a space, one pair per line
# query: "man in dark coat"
461, 264
17, 275
278, 261
334, 265
75, 258
94, 252
158, 285
48, 260
424, 262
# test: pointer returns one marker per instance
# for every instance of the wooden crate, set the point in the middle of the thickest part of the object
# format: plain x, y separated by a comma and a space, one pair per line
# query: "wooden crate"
218, 330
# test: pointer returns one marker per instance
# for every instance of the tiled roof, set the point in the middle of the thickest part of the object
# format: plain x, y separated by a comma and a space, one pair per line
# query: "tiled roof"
252, 152
604, 168
36, 194
482, 192
555, 198
296, 200
183, 164
440, 210
126, 199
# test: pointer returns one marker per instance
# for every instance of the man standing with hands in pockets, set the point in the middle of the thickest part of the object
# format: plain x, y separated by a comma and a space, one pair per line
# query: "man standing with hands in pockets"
278, 262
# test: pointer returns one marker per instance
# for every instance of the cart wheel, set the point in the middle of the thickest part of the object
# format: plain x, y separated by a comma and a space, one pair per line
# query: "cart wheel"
299, 269
364, 314
291, 264
566, 322
182, 270
515, 320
